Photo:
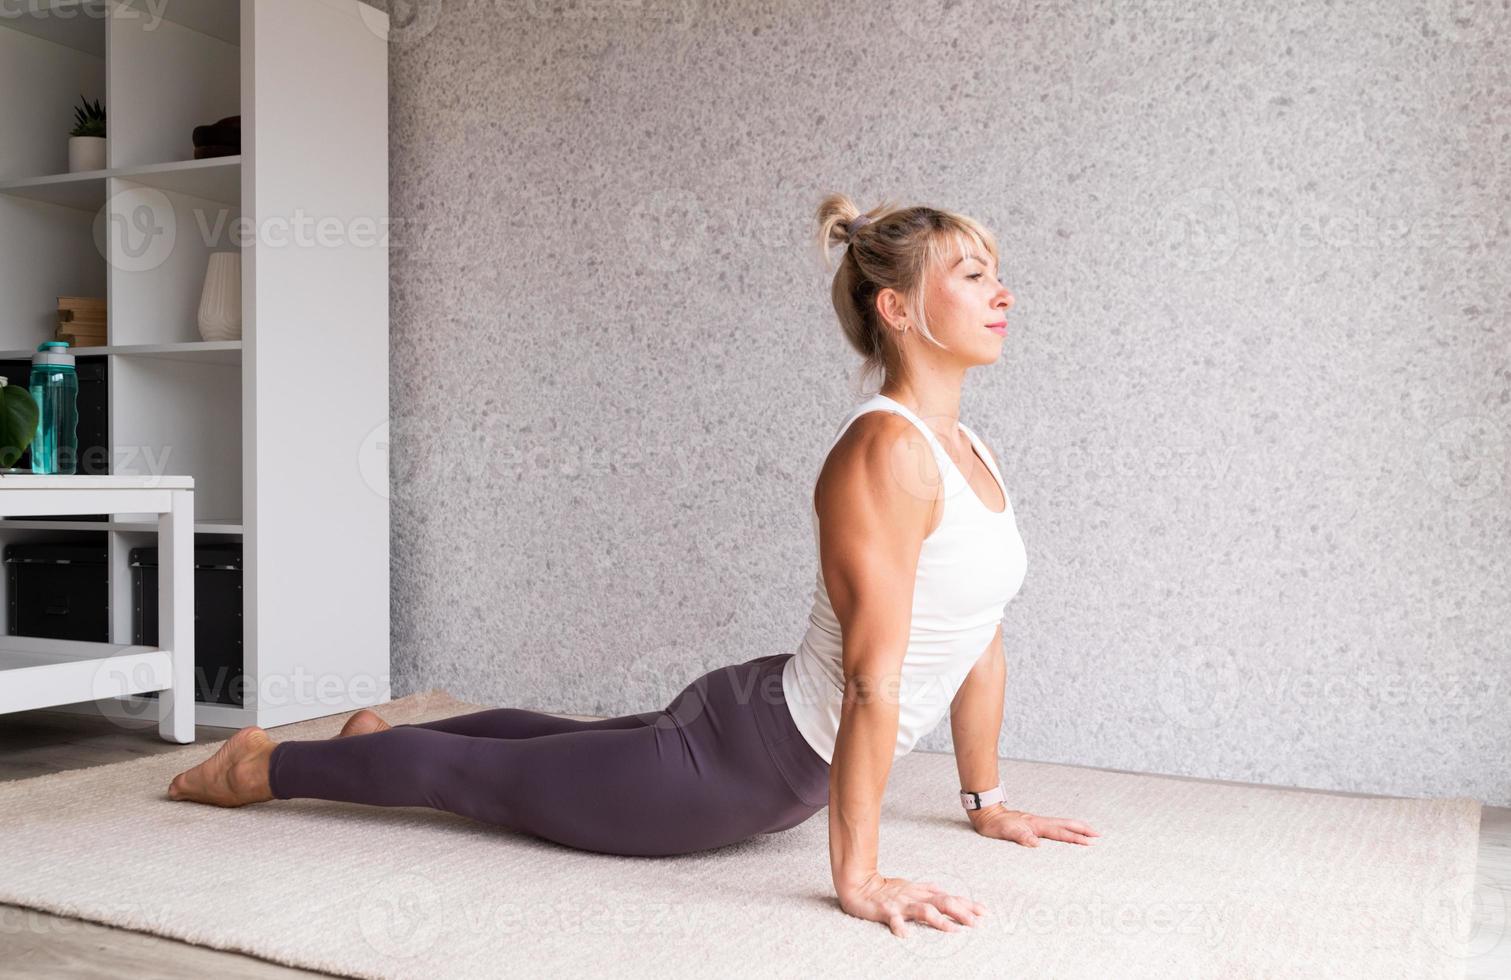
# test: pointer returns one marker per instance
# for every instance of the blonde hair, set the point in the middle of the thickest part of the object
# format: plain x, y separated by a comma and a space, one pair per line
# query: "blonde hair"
894, 249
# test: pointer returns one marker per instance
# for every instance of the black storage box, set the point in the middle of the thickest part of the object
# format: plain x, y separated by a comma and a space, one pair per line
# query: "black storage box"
60, 591
218, 671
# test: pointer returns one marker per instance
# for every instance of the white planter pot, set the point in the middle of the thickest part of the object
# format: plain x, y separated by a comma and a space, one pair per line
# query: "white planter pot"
86, 153
220, 302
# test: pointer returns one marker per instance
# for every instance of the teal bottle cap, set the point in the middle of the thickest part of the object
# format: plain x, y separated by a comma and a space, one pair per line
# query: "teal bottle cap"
54, 353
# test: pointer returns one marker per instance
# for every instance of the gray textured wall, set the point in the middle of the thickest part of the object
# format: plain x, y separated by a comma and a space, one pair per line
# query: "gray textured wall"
1254, 408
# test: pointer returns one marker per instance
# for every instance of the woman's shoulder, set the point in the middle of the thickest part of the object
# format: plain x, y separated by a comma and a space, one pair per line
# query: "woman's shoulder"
881, 453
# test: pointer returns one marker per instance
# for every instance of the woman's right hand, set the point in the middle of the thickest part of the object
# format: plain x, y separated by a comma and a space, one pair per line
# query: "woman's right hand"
893, 901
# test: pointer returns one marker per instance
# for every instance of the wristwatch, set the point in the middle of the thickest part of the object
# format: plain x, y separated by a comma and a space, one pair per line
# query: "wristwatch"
975, 801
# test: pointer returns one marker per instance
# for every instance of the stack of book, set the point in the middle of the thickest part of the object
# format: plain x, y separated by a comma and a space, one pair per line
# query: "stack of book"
81, 321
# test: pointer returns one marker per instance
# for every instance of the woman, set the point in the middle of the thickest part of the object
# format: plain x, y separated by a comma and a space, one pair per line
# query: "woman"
919, 554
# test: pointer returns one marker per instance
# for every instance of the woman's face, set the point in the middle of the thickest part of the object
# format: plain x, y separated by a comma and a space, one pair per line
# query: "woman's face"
966, 306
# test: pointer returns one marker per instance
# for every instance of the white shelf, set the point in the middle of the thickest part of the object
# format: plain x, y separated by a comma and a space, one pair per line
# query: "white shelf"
201, 351
216, 179
138, 708
33, 668
87, 481
200, 527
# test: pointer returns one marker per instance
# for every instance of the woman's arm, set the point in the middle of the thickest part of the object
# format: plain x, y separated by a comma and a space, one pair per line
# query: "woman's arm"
975, 724
976, 713
875, 504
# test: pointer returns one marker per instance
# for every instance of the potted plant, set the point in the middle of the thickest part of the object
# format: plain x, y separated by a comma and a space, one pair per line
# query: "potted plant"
86, 143
18, 422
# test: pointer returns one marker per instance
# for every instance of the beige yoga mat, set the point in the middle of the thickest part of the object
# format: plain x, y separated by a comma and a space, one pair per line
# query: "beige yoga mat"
1189, 878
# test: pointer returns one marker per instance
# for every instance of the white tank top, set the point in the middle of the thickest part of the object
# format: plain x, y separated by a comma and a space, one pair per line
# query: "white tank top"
969, 568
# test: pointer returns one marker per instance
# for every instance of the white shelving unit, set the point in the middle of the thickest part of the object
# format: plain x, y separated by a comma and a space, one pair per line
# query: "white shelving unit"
272, 427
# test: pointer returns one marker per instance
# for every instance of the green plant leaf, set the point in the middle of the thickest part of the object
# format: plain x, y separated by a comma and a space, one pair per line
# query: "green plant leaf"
89, 118
18, 422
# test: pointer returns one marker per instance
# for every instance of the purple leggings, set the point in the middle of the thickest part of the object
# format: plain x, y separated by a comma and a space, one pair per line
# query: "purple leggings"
721, 763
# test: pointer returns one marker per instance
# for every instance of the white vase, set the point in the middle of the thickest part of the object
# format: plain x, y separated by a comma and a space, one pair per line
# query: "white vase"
220, 302
86, 153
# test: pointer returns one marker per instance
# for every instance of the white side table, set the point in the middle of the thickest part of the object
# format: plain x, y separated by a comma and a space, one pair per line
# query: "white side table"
38, 673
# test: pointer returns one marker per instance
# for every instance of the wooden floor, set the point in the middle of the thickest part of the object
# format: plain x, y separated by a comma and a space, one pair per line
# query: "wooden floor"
37, 945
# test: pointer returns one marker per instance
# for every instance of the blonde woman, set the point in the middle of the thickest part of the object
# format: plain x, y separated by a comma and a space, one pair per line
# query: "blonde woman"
919, 554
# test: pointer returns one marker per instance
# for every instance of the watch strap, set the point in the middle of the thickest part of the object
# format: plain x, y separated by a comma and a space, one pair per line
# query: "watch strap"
975, 801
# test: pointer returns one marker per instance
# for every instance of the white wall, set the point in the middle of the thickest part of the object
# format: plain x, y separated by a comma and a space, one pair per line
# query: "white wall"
1254, 409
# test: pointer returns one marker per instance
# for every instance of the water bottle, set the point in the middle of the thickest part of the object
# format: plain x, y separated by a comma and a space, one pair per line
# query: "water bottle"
55, 388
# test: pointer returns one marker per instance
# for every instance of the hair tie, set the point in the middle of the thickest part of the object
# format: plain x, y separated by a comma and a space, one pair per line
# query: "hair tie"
857, 223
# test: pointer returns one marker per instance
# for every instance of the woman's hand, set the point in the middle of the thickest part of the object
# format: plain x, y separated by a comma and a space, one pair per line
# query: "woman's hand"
1026, 828
894, 901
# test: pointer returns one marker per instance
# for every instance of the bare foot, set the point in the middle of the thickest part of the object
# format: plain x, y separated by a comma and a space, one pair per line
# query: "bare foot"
363, 722
237, 774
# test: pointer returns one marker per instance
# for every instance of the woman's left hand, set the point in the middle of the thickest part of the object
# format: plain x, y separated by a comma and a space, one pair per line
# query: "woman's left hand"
1026, 828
